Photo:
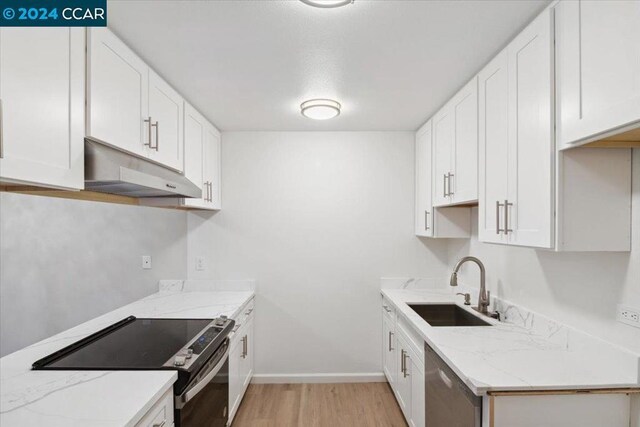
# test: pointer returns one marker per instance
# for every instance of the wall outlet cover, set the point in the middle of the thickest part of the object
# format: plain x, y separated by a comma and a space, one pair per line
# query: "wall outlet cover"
628, 315
146, 262
200, 263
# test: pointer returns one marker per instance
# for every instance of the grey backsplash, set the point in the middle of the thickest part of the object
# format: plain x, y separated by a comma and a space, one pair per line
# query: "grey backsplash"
63, 261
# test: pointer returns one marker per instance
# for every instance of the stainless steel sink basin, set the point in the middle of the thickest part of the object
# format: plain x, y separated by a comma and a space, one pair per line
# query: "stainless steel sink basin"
447, 315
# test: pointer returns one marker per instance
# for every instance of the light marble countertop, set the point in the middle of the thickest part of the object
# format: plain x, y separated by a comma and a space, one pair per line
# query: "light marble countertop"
99, 398
526, 356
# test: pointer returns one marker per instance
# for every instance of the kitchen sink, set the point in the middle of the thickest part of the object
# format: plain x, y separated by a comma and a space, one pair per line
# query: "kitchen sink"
447, 315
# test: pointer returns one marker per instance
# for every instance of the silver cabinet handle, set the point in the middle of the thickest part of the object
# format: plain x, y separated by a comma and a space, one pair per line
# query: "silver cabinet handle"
244, 347
405, 356
402, 361
386, 308
426, 220
506, 217
444, 185
157, 126
162, 424
498, 205
148, 143
248, 312
210, 191
390, 345
449, 175
1, 132
235, 328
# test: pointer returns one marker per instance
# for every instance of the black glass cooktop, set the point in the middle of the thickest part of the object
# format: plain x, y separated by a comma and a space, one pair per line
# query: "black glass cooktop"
129, 344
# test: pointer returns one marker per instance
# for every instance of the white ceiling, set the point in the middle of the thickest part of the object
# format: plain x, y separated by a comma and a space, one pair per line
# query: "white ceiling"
247, 65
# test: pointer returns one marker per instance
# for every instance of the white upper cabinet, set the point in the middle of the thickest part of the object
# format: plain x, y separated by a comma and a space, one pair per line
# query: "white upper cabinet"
516, 140
423, 182
166, 112
528, 210
446, 222
455, 139
42, 107
443, 128
493, 160
597, 69
202, 159
117, 95
129, 106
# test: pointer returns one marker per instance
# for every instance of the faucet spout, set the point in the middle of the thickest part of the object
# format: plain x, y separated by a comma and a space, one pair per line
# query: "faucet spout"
483, 298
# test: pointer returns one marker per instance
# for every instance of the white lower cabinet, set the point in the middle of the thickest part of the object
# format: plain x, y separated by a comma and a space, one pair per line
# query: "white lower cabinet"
241, 358
403, 365
557, 410
42, 107
161, 413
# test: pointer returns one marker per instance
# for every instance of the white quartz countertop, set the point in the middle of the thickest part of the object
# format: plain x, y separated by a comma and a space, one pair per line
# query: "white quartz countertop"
507, 357
99, 398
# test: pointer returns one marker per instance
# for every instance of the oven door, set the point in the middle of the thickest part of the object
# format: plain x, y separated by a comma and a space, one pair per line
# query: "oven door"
205, 401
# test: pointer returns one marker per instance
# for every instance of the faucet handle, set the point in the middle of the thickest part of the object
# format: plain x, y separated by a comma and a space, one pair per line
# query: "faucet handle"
467, 298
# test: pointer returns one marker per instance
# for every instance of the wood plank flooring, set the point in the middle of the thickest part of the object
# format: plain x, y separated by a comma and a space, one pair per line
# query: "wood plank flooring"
319, 405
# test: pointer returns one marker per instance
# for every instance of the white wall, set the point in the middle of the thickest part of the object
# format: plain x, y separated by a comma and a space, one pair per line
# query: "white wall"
63, 262
580, 289
317, 218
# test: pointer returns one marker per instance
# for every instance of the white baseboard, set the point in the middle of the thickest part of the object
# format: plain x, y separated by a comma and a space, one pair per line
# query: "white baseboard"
375, 377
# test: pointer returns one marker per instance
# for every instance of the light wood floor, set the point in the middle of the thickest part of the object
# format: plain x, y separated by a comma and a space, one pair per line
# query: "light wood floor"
319, 405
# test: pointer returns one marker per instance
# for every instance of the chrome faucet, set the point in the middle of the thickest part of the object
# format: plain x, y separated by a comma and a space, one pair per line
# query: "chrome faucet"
484, 297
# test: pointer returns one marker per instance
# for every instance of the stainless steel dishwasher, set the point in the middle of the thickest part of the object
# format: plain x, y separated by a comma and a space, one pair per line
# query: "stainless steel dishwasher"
449, 402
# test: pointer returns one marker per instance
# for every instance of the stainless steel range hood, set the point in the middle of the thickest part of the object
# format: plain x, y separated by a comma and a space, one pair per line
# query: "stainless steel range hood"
109, 170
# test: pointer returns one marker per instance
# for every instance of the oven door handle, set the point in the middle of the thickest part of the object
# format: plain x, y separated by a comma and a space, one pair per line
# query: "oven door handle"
190, 393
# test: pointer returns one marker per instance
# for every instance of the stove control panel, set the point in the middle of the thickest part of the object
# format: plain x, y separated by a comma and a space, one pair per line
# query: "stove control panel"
188, 355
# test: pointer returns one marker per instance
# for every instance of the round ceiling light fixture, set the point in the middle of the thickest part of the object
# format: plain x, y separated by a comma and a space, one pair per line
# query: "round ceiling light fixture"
320, 109
327, 4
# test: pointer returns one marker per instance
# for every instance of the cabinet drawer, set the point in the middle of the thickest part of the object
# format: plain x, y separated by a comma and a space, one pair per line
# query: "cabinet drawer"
388, 310
246, 312
413, 338
161, 414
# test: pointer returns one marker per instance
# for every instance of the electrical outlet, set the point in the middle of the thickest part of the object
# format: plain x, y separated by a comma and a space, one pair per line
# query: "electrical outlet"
146, 262
629, 315
200, 263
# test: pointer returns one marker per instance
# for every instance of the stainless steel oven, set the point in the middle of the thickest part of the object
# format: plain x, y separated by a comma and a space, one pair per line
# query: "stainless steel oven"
205, 401
198, 349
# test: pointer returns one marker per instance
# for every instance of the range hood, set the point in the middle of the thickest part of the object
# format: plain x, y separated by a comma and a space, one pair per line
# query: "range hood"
109, 170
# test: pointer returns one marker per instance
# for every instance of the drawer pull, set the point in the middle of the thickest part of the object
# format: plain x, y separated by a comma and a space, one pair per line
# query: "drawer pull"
160, 424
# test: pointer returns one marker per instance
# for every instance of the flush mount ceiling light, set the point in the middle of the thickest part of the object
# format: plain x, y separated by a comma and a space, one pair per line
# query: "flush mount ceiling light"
327, 4
320, 109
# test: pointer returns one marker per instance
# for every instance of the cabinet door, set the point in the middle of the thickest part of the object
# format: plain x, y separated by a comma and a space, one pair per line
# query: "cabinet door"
235, 375
167, 117
117, 93
403, 377
248, 354
193, 146
598, 68
42, 106
443, 138
463, 182
531, 143
211, 167
417, 395
424, 212
388, 350
493, 148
